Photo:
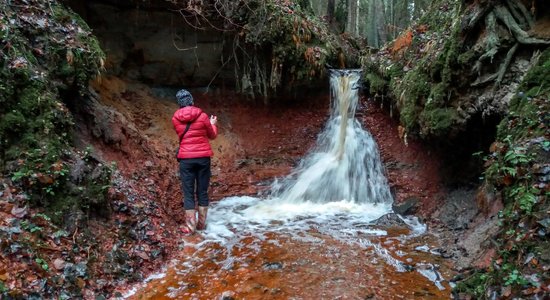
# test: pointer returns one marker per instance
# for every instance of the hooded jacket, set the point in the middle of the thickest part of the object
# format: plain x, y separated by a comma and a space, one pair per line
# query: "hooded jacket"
195, 143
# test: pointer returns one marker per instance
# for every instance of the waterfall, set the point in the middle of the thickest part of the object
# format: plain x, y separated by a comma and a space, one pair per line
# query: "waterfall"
345, 163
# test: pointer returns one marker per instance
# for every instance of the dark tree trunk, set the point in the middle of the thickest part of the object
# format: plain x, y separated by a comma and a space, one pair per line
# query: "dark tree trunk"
331, 7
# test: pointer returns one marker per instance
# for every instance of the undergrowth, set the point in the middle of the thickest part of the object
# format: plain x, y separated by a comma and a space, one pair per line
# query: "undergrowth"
518, 169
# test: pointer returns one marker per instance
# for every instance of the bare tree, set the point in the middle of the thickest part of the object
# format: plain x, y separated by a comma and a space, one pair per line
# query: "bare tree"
331, 8
352, 21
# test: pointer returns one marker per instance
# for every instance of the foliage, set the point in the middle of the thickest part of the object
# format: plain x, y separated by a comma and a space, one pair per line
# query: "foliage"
518, 168
422, 73
48, 56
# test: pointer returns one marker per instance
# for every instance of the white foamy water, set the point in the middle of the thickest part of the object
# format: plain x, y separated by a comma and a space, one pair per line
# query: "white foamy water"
236, 216
345, 163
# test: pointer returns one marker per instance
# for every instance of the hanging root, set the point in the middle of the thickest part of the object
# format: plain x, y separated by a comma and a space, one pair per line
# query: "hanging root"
499, 75
505, 64
492, 42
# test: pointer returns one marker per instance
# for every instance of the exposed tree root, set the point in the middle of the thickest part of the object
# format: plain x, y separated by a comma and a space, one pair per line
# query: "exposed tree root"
514, 16
485, 79
475, 17
499, 75
505, 64
521, 13
492, 42
503, 14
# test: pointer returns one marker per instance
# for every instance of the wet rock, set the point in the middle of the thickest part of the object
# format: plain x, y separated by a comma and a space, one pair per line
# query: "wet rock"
273, 266
78, 171
73, 220
408, 207
227, 295
390, 220
458, 209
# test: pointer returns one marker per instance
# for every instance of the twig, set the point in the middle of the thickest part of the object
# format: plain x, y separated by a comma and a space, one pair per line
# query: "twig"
217, 73
180, 11
74, 235
49, 248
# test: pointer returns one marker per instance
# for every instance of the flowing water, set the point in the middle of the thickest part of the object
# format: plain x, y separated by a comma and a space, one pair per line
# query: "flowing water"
345, 164
313, 237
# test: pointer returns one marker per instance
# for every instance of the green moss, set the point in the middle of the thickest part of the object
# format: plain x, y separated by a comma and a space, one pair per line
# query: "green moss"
537, 80
412, 91
440, 17
467, 57
35, 124
513, 168
437, 121
12, 123
439, 93
377, 84
416, 85
409, 115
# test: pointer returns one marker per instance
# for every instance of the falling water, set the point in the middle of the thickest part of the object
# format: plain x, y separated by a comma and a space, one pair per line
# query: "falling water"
345, 164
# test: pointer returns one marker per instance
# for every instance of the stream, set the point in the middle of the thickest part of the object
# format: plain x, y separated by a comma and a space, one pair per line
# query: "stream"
315, 234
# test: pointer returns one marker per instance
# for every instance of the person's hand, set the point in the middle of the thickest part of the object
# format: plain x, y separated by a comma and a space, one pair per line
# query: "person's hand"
213, 120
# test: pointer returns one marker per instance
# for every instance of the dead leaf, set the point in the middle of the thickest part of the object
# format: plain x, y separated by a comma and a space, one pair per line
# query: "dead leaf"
59, 264
70, 57
80, 282
6, 206
143, 255
19, 212
44, 179
506, 291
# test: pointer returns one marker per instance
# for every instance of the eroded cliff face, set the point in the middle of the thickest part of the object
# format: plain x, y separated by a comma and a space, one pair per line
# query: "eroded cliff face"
156, 43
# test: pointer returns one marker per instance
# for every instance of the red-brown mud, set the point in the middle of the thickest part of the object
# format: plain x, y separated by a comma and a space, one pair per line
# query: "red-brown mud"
291, 268
412, 169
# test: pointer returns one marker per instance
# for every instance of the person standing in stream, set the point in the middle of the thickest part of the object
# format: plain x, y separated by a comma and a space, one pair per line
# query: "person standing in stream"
194, 129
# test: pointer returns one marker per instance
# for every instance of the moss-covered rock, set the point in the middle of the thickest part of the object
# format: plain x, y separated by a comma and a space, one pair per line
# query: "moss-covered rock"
437, 121
48, 57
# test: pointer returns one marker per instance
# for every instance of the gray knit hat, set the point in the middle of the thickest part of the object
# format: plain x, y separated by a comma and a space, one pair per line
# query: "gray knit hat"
184, 98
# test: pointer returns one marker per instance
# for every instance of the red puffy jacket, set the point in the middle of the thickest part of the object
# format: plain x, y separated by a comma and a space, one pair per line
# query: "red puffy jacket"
195, 142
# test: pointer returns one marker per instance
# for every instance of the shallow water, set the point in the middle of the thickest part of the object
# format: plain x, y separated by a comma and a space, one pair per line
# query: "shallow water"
310, 251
